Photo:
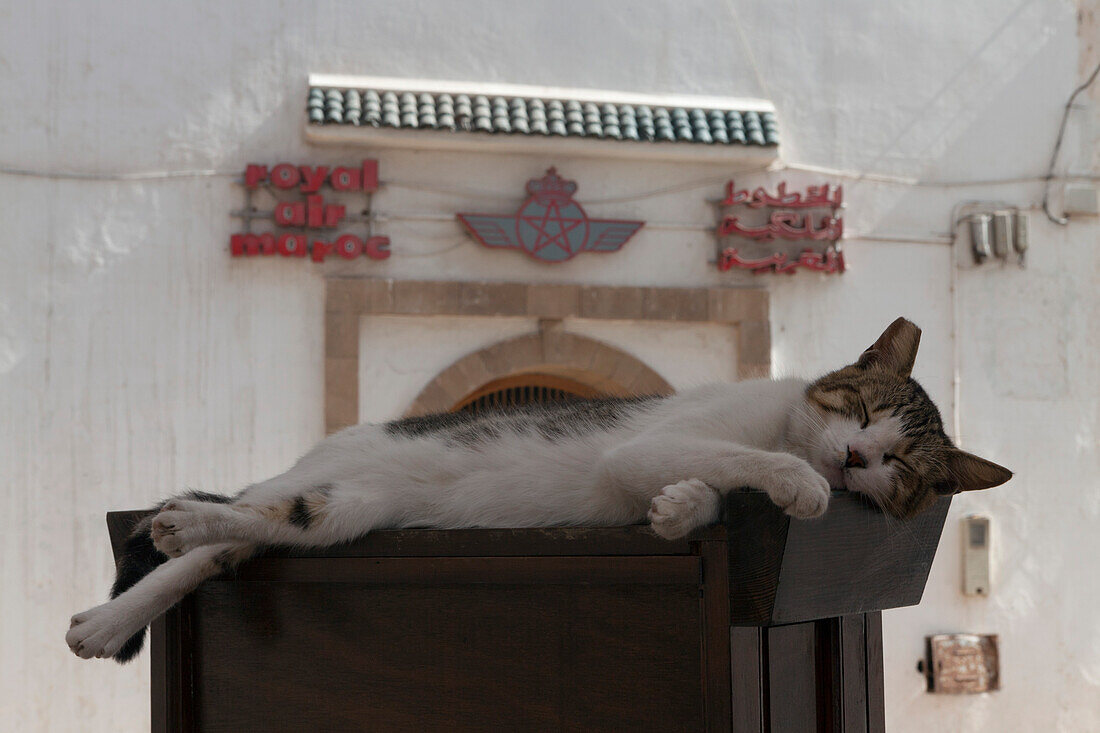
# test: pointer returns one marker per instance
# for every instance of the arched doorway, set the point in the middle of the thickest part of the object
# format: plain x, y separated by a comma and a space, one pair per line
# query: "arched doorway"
539, 367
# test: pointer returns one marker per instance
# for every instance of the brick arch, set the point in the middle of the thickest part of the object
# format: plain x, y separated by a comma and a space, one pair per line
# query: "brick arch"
592, 363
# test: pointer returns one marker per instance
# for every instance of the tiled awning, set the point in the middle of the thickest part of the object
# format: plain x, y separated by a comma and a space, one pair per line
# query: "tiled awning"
474, 110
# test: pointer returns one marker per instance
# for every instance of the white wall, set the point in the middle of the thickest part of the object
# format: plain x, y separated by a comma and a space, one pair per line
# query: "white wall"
136, 358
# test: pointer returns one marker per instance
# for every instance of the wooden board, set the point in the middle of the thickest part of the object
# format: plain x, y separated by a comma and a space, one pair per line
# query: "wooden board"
630, 540
342, 656
854, 559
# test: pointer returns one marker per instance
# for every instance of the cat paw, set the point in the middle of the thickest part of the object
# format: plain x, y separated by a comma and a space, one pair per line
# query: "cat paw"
798, 489
681, 507
101, 631
179, 527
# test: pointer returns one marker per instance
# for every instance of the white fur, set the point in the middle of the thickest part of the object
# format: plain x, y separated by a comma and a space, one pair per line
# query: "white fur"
671, 459
101, 631
681, 507
827, 440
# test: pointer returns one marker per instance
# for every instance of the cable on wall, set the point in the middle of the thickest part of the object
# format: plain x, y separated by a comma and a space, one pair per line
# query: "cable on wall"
1063, 220
663, 191
140, 176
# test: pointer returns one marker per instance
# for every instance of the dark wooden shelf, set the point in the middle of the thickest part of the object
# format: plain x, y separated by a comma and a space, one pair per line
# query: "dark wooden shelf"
855, 559
757, 623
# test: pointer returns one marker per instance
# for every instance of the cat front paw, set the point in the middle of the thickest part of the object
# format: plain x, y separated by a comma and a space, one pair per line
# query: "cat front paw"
798, 489
681, 507
101, 631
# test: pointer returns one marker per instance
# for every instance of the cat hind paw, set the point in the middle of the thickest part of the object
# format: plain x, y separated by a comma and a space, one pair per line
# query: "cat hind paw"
179, 528
681, 507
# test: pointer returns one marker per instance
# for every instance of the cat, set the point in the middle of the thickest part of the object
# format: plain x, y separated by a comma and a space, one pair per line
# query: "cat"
867, 428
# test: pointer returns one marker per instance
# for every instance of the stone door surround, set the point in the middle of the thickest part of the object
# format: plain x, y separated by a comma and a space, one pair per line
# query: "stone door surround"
349, 299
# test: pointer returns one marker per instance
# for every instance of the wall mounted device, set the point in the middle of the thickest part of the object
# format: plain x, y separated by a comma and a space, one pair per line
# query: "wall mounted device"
1081, 199
961, 663
996, 231
1019, 230
981, 234
1002, 233
976, 580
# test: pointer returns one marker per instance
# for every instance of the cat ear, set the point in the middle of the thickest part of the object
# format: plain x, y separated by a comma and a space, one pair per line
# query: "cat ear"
896, 348
968, 473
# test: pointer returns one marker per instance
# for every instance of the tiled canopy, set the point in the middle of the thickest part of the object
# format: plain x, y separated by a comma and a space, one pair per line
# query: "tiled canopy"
539, 115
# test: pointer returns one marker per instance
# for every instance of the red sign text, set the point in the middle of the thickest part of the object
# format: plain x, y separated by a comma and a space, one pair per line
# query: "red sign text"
308, 210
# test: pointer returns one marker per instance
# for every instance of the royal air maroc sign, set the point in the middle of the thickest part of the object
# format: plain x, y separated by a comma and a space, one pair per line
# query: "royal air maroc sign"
309, 212
550, 226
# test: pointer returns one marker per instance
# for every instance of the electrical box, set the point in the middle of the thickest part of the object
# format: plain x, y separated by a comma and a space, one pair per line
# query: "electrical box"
1002, 233
997, 234
981, 232
976, 580
1019, 229
1081, 199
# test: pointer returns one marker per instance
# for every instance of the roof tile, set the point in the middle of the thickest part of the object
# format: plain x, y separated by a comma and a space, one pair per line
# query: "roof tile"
534, 116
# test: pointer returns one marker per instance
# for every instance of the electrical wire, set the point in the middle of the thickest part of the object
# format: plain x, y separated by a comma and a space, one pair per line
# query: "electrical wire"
956, 338
1063, 220
925, 183
432, 253
140, 176
382, 216
652, 193
588, 201
731, 8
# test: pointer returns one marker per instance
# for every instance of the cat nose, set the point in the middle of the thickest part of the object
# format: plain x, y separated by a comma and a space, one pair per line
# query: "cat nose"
855, 459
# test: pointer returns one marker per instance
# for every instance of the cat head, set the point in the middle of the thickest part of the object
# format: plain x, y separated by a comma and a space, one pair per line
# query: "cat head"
871, 429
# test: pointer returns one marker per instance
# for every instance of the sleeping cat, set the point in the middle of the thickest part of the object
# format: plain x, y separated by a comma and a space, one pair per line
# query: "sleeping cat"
867, 428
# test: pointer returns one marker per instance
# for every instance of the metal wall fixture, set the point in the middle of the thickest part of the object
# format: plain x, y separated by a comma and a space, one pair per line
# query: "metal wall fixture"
961, 663
1002, 233
981, 232
976, 551
997, 233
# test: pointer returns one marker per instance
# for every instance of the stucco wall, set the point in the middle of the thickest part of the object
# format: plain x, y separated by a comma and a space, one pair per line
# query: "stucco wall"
137, 358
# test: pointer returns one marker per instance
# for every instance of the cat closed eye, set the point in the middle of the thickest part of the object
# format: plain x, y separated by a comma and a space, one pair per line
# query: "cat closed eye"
891, 458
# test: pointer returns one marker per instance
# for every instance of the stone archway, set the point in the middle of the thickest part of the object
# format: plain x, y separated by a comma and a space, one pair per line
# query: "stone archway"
347, 299
602, 368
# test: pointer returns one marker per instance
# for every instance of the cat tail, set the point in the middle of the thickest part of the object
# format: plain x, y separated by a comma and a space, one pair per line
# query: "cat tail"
139, 558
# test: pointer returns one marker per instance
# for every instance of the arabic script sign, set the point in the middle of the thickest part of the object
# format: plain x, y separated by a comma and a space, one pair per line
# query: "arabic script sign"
801, 224
305, 221
550, 226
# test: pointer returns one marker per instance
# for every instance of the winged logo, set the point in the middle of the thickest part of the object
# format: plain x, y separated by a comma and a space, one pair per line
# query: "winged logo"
550, 226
